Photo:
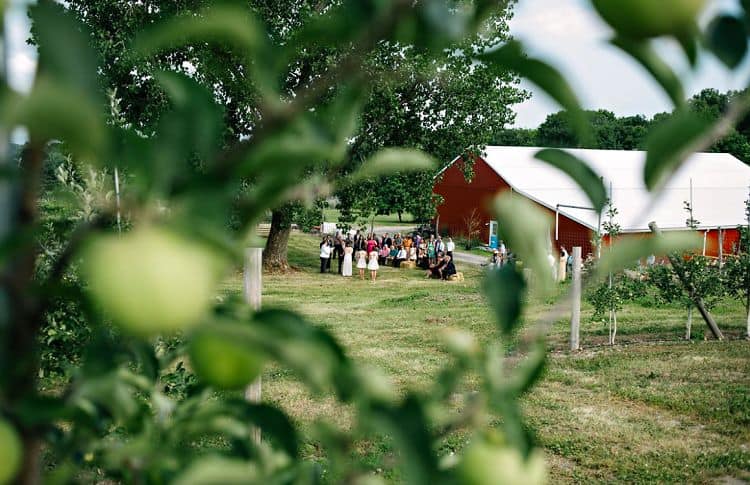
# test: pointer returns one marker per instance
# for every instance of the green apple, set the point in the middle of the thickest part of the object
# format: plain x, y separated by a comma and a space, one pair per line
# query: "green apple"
150, 280
10, 452
224, 363
484, 463
641, 19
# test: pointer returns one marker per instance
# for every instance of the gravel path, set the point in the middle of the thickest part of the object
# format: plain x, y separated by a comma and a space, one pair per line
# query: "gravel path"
470, 258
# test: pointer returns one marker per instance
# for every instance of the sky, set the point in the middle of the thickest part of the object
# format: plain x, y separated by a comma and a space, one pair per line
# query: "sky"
570, 35
566, 33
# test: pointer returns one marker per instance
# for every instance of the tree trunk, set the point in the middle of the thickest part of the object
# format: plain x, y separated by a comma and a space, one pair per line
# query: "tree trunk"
709, 319
689, 323
747, 309
399, 216
275, 254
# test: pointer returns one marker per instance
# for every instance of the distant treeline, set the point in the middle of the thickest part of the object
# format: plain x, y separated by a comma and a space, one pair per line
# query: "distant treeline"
611, 132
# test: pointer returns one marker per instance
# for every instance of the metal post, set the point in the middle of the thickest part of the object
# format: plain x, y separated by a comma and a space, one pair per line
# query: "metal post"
557, 221
253, 292
575, 319
721, 247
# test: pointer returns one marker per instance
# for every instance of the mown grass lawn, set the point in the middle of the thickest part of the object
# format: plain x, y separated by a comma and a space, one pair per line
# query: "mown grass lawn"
652, 409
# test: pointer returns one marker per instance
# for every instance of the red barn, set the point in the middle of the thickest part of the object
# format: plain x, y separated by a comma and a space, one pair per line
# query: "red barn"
717, 184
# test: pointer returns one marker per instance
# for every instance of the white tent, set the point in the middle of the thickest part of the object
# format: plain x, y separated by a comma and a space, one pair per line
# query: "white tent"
720, 186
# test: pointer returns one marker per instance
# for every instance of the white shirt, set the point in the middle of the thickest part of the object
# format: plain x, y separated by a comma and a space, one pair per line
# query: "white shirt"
325, 251
502, 249
401, 254
450, 246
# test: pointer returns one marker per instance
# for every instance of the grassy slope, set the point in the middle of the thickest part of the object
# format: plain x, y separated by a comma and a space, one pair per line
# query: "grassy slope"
651, 409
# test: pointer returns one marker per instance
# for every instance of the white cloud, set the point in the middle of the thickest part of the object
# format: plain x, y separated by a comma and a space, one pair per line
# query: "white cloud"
569, 34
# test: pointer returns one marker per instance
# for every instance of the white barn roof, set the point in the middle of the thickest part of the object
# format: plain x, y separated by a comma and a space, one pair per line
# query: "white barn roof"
720, 186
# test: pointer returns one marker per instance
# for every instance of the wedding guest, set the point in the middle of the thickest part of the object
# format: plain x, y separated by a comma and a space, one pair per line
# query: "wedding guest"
325, 254
448, 269
338, 250
439, 246
435, 270
383, 254
373, 266
397, 240
346, 270
361, 263
400, 258
449, 247
371, 244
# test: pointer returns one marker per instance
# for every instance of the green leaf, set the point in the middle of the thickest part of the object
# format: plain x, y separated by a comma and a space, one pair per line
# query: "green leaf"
529, 370
669, 144
340, 24
433, 25
407, 424
689, 43
580, 172
192, 128
55, 111
273, 422
525, 227
65, 102
505, 289
65, 53
211, 470
390, 160
641, 51
547, 78
303, 143
223, 24
627, 251
727, 39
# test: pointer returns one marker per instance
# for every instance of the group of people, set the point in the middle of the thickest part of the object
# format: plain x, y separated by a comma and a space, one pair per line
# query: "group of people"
431, 253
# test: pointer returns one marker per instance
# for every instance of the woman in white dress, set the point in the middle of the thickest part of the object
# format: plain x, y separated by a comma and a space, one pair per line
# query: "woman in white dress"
346, 269
373, 265
361, 263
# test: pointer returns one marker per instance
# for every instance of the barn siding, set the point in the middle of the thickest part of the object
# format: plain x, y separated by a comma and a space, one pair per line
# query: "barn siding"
461, 197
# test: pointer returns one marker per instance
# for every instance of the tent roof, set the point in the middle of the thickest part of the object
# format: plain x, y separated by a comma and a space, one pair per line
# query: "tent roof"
720, 186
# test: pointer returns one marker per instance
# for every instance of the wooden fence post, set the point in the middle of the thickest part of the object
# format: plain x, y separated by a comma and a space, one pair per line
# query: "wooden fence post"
575, 319
253, 281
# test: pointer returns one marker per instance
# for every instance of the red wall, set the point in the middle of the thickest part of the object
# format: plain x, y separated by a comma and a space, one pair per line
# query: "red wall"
730, 240
461, 197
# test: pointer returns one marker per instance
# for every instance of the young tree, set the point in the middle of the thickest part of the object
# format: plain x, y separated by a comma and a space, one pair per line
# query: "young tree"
473, 228
737, 268
692, 280
607, 296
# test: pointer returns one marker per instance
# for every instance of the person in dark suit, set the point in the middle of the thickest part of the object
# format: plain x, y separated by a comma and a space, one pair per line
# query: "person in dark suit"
448, 269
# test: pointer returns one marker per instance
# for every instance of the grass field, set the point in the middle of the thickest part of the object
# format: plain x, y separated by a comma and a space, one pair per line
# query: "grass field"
332, 215
652, 409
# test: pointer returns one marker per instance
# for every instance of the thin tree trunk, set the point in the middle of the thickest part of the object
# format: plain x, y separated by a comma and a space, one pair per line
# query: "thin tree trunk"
689, 325
697, 300
399, 216
747, 309
275, 254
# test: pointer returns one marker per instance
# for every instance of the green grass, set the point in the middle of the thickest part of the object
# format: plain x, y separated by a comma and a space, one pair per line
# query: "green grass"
652, 409
332, 215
